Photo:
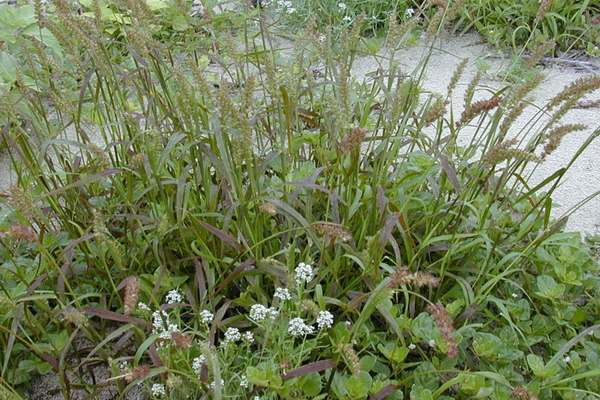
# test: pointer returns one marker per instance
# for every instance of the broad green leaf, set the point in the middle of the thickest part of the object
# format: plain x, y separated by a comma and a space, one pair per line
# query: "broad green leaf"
358, 386
420, 393
310, 384
548, 288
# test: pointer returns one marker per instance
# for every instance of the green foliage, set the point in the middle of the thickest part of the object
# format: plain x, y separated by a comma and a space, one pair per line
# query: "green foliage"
569, 24
166, 196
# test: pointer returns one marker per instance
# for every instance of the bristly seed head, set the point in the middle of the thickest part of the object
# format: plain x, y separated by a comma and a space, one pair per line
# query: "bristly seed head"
556, 135
403, 276
130, 295
444, 323
521, 393
333, 231
352, 140
478, 108
504, 151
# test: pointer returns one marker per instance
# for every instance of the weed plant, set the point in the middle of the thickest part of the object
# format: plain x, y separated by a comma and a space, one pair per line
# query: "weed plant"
570, 24
240, 222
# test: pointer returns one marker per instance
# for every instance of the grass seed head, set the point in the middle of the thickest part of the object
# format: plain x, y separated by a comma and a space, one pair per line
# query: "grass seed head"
504, 151
74, 317
458, 73
443, 321
352, 140
22, 232
545, 6
131, 295
139, 372
333, 231
182, 340
351, 358
521, 393
576, 90
403, 276
478, 108
556, 135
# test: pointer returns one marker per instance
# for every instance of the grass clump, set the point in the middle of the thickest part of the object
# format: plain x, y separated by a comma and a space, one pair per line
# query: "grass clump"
265, 225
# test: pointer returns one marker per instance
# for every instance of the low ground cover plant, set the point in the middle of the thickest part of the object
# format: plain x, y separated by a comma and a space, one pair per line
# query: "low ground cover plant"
240, 222
570, 25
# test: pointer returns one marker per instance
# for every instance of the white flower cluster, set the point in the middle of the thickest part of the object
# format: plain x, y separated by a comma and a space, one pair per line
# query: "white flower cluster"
197, 9
173, 297
258, 312
158, 390
162, 326
347, 19
342, 6
123, 366
197, 363
213, 384
324, 320
232, 335
244, 382
248, 337
410, 12
412, 346
285, 6
282, 294
297, 327
143, 306
206, 316
304, 273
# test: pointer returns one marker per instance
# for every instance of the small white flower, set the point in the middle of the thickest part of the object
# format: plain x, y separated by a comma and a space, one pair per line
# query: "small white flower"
297, 327
342, 6
244, 382
272, 313
515, 295
158, 390
197, 9
348, 324
322, 38
324, 320
304, 273
143, 306
347, 19
282, 294
162, 326
248, 337
431, 343
206, 316
173, 297
123, 366
232, 335
567, 359
291, 10
412, 346
258, 312
410, 12
213, 384
197, 363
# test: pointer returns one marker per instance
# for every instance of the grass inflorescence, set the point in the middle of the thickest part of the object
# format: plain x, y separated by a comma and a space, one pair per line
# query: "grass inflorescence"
203, 211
